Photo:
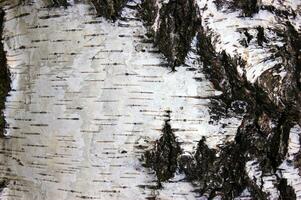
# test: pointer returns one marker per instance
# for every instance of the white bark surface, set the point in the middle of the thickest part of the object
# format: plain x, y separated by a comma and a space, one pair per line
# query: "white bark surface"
88, 96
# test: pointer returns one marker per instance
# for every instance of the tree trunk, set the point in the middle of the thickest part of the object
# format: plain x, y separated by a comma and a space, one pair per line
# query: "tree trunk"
150, 100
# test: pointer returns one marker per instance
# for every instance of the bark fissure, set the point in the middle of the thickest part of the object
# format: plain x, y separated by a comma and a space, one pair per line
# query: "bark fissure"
4, 77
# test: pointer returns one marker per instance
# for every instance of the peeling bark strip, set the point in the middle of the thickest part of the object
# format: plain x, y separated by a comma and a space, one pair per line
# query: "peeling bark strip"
4, 77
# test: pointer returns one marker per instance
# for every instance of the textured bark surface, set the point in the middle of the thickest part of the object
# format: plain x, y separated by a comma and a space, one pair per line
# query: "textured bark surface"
153, 99
269, 99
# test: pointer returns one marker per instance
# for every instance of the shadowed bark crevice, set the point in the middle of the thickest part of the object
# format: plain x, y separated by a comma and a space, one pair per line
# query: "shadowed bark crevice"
4, 77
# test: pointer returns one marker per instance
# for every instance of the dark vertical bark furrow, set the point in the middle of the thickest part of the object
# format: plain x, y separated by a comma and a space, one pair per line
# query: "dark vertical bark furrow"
4, 77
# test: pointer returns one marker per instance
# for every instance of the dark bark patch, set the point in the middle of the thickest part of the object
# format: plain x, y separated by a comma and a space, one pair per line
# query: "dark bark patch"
108, 8
286, 191
178, 22
260, 36
163, 158
4, 77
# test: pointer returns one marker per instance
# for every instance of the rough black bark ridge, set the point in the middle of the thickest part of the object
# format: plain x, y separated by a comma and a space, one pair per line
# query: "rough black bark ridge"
4, 77
163, 158
175, 25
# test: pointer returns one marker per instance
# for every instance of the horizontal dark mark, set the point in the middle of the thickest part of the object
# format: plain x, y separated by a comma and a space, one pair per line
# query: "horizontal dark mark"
68, 147
110, 64
153, 51
65, 190
136, 105
110, 51
95, 34
100, 181
88, 131
12, 150
38, 26
194, 97
63, 85
36, 41
14, 127
117, 115
87, 197
26, 47
156, 65
105, 119
93, 22
39, 112
95, 80
38, 124
143, 76
19, 16
42, 157
132, 131
61, 40
115, 165
93, 45
106, 153
122, 35
63, 140
141, 92
110, 191
56, 80
35, 145
15, 137
50, 16
67, 118
105, 141
72, 30
46, 96
62, 163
